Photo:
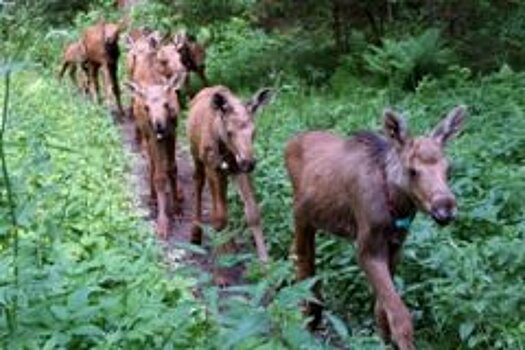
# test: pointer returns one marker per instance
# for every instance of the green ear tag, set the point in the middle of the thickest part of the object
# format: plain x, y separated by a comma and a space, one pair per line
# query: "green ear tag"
404, 223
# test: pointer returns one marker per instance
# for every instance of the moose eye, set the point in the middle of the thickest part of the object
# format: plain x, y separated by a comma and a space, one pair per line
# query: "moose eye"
412, 173
146, 108
166, 105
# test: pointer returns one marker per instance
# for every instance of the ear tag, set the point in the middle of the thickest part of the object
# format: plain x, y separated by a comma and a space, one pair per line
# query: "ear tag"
404, 223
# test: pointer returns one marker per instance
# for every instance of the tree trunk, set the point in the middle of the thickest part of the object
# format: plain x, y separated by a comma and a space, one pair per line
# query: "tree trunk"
337, 26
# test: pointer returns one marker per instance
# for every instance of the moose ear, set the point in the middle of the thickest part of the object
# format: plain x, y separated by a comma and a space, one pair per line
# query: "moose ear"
219, 102
135, 89
450, 126
154, 40
128, 42
178, 40
395, 127
260, 99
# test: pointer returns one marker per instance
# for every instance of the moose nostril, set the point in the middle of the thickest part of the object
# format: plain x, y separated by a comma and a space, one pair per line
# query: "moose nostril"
248, 165
252, 164
444, 210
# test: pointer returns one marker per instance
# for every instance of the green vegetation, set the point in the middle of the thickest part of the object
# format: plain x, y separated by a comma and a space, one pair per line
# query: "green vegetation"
79, 268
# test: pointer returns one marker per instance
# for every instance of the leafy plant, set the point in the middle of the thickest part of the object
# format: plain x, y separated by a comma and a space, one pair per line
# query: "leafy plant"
406, 62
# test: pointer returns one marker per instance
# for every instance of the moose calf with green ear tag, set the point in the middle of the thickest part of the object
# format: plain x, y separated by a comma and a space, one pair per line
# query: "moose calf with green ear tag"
368, 188
221, 131
158, 110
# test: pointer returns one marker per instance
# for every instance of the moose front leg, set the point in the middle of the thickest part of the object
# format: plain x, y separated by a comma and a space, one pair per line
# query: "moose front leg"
163, 204
109, 71
252, 213
218, 188
392, 316
380, 313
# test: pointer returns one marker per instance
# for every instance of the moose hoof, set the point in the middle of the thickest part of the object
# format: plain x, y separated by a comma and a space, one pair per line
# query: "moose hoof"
163, 230
180, 195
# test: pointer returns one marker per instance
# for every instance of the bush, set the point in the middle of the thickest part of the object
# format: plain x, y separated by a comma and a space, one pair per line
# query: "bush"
405, 62
90, 273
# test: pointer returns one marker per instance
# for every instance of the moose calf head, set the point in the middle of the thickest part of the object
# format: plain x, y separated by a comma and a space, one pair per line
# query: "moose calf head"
235, 123
424, 169
159, 103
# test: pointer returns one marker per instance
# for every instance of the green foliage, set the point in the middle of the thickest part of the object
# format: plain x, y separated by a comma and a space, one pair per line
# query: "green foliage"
90, 272
405, 62
266, 59
462, 282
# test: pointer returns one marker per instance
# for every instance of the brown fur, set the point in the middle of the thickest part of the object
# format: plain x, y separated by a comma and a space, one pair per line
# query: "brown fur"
221, 131
75, 56
193, 57
170, 63
157, 108
102, 51
141, 58
142, 70
357, 188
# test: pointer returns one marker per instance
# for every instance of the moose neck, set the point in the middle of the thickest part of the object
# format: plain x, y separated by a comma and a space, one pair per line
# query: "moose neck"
397, 186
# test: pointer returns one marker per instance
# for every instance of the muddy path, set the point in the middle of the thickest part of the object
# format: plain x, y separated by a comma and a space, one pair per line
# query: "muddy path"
181, 229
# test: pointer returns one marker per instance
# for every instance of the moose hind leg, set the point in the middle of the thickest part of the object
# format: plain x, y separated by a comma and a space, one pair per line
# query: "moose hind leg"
198, 183
304, 250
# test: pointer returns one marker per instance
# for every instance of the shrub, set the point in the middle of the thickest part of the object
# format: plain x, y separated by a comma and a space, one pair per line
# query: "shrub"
406, 62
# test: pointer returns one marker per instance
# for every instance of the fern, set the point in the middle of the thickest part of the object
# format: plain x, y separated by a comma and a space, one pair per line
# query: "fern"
407, 62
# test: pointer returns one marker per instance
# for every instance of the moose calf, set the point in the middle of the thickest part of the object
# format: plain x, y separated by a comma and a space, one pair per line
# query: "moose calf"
368, 188
102, 51
75, 56
157, 107
221, 131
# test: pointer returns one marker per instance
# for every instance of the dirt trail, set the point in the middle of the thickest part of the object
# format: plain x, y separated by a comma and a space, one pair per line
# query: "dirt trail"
181, 230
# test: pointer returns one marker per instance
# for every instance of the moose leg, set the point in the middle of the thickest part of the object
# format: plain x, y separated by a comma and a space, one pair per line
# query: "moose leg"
73, 74
63, 70
304, 250
85, 78
112, 89
176, 191
252, 213
93, 81
380, 314
218, 187
198, 183
392, 315
113, 72
163, 201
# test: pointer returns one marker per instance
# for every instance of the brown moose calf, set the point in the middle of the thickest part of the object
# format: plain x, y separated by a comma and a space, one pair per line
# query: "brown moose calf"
102, 51
221, 131
368, 188
75, 56
158, 106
